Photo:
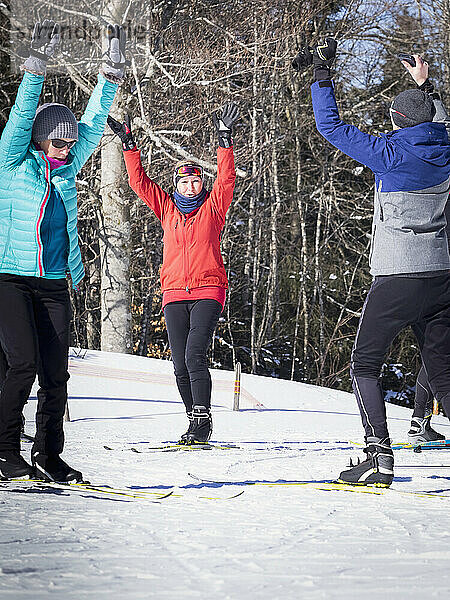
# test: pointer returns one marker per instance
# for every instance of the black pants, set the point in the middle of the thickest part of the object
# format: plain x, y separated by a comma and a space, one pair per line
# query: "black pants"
35, 318
190, 326
423, 400
392, 304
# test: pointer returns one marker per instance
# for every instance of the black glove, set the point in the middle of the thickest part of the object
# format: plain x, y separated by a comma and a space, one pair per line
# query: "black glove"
44, 41
426, 87
114, 61
224, 123
123, 131
323, 57
303, 59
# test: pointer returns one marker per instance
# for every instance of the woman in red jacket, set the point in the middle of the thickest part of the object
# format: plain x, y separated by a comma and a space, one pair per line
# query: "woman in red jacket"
193, 277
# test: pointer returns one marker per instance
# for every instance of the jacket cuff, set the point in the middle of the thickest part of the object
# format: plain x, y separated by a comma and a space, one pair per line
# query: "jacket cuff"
322, 73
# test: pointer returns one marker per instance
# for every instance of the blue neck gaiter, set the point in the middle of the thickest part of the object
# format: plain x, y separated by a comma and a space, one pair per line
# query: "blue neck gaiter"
187, 205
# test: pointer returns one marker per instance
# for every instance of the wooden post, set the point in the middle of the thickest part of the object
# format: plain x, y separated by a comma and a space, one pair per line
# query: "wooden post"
237, 386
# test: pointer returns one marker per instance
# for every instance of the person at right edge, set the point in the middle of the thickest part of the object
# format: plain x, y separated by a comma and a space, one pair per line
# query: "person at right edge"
409, 256
420, 429
193, 277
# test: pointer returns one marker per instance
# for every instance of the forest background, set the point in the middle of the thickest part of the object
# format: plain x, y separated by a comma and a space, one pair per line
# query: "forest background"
296, 239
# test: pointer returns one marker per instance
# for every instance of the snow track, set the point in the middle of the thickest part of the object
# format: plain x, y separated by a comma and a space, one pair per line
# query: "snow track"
271, 542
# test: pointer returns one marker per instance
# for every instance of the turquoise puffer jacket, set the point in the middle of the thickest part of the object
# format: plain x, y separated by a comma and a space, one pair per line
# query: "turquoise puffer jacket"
26, 178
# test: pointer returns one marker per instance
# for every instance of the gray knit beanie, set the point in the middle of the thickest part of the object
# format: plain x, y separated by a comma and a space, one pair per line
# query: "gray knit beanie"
54, 121
412, 107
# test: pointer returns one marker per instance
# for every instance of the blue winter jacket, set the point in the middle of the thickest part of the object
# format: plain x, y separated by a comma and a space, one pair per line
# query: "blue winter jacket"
412, 184
26, 178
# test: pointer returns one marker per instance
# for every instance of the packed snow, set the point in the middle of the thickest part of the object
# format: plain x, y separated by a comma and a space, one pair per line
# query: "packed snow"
270, 542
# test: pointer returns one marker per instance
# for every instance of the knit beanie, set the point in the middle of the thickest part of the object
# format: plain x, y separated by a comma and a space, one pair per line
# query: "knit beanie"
185, 168
412, 107
54, 121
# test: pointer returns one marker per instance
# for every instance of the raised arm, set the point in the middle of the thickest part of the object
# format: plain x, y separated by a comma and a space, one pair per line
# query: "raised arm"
222, 192
92, 124
419, 72
93, 121
367, 149
16, 136
147, 190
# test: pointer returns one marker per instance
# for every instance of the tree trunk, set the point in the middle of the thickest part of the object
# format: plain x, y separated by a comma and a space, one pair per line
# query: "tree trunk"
115, 236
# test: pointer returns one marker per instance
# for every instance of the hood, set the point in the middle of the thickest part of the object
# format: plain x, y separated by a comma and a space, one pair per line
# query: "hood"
427, 142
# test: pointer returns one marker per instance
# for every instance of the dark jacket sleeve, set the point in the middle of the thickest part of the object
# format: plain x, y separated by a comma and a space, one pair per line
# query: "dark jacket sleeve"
370, 150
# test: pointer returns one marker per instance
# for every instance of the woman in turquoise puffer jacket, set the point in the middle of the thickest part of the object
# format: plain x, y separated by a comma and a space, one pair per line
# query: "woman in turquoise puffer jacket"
41, 151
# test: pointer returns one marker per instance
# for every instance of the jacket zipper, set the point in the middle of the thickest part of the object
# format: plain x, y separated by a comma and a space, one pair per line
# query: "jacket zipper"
41, 216
186, 257
379, 202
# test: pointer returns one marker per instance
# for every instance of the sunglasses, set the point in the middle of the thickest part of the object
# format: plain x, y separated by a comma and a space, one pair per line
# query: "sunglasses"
57, 143
189, 170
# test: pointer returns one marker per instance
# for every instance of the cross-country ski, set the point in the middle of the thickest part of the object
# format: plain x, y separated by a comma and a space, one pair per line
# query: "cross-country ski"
224, 300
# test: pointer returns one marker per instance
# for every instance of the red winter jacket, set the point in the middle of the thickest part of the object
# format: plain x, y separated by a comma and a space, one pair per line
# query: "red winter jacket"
191, 256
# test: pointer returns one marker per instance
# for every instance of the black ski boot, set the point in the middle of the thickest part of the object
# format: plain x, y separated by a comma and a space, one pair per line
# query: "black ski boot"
185, 436
51, 467
13, 466
376, 470
421, 431
201, 426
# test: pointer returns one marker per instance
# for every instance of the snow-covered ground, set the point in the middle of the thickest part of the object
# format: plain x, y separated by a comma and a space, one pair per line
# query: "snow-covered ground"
278, 542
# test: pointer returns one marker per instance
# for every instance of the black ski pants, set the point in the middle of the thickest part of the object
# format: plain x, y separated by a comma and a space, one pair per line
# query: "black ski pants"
423, 400
392, 304
190, 327
35, 318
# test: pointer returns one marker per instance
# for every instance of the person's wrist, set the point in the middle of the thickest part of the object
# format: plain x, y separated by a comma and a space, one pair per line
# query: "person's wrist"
322, 73
35, 65
425, 86
225, 140
128, 144
112, 77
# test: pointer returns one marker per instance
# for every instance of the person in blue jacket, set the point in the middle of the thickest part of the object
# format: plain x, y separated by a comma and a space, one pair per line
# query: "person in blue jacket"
41, 151
409, 256
421, 429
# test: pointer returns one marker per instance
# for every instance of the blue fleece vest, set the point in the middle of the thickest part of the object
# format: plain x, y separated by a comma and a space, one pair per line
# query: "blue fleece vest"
55, 240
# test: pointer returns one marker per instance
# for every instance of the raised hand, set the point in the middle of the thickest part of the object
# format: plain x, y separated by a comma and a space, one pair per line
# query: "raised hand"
123, 131
114, 58
44, 42
323, 57
224, 123
419, 72
324, 53
303, 59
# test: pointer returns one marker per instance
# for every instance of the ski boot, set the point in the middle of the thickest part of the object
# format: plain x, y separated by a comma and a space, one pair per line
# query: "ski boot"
421, 431
376, 470
51, 467
13, 466
201, 426
185, 436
